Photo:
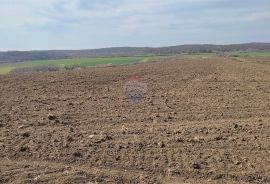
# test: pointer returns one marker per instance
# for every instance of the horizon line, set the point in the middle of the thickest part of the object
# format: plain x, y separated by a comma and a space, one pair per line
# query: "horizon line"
151, 47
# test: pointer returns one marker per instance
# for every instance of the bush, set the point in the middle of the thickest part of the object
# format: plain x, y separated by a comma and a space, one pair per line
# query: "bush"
72, 67
34, 69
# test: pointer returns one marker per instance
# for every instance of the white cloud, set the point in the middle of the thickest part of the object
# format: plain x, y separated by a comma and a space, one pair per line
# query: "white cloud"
134, 13
61, 23
16, 13
258, 16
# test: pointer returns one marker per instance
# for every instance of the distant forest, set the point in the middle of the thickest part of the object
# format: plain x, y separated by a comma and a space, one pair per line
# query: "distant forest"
17, 56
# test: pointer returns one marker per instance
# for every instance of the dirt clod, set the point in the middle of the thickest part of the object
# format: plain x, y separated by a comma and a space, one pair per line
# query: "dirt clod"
196, 166
52, 117
26, 134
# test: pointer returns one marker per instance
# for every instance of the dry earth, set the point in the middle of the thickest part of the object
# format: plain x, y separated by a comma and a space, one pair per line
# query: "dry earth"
201, 121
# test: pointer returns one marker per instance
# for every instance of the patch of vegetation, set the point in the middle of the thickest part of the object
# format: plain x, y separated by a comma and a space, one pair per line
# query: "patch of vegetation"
20, 56
5, 69
33, 69
199, 55
251, 54
70, 64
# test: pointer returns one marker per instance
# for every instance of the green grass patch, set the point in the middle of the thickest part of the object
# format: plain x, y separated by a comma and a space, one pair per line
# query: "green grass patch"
81, 62
251, 54
199, 56
5, 69
91, 62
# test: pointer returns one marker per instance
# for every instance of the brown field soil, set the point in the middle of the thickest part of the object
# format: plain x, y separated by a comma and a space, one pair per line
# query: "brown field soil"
200, 121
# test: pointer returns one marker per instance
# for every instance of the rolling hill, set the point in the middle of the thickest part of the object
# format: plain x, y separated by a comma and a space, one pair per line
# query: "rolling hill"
18, 56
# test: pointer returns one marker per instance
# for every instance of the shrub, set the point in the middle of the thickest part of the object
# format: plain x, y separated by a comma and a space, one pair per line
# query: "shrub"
72, 67
34, 69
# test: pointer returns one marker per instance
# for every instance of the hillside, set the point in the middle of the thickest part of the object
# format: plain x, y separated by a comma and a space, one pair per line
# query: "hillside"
17, 56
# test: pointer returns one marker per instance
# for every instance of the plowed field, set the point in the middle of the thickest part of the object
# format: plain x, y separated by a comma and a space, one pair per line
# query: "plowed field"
200, 121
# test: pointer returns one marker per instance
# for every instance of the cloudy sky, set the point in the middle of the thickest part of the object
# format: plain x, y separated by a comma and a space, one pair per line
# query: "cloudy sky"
85, 24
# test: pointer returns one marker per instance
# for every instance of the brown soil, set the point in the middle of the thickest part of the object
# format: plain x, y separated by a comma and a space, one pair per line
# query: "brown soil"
200, 121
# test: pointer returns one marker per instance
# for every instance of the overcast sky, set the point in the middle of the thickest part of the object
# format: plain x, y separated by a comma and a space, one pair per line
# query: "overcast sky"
86, 24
